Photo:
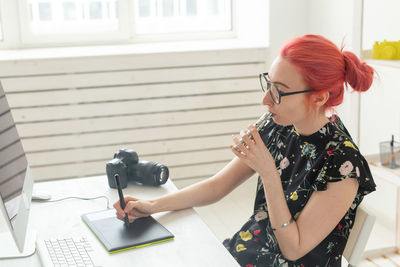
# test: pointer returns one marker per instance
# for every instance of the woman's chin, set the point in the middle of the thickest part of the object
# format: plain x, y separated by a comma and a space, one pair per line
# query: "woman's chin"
280, 122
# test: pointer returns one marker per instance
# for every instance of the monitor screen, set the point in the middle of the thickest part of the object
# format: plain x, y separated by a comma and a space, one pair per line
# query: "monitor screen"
12, 163
15, 180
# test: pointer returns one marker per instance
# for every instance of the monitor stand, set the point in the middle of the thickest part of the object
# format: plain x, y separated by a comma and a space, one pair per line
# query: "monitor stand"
8, 248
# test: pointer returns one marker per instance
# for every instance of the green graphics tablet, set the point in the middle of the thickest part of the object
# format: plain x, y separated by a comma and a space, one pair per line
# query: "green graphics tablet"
116, 236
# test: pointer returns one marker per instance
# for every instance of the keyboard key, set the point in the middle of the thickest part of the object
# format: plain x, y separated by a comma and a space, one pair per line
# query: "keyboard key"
66, 252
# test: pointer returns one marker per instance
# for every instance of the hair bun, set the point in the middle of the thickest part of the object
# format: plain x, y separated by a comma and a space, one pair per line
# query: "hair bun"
358, 74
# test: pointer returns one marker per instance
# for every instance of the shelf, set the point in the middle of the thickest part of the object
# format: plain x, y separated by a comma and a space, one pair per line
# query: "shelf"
382, 62
366, 55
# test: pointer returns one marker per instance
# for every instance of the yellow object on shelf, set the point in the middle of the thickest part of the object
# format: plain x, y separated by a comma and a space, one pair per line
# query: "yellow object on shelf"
386, 50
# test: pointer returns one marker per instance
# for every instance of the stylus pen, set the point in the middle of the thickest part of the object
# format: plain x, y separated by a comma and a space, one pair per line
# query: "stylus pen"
121, 197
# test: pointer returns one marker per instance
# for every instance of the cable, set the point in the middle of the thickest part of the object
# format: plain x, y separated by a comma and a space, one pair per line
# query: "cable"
81, 198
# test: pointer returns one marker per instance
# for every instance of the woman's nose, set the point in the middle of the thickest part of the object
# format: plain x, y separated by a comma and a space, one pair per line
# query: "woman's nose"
267, 99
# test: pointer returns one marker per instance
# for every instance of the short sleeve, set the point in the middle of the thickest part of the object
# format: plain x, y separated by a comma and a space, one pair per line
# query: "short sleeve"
345, 162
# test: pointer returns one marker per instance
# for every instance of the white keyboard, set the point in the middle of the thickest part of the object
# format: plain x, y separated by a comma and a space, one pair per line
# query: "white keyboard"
62, 252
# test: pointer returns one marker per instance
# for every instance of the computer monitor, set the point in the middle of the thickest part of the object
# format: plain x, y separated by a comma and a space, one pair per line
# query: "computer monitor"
16, 184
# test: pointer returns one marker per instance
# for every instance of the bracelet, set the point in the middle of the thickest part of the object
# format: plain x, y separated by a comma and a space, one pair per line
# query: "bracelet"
284, 224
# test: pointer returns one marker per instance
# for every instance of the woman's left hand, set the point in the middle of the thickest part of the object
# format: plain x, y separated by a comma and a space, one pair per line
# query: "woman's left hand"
253, 152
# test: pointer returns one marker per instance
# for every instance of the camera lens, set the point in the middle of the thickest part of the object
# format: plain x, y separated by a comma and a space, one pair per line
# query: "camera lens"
163, 175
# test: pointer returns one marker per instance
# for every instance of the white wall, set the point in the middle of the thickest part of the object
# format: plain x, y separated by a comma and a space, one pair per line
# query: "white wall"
381, 21
251, 23
332, 19
379, 118
380, 115
291, 18
379, 106
287, 19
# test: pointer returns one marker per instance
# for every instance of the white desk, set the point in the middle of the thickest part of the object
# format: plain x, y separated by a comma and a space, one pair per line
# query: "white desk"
194, 243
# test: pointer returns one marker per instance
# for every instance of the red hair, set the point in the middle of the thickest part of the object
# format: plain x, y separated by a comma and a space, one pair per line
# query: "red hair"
326, 68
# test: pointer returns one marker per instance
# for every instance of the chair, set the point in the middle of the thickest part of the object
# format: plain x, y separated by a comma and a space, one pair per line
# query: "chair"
359, 235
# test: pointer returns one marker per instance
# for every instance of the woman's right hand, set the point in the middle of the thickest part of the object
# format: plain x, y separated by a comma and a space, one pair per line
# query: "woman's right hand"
135, 208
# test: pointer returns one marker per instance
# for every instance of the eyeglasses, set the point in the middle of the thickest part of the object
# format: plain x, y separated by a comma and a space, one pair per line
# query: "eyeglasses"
276, 94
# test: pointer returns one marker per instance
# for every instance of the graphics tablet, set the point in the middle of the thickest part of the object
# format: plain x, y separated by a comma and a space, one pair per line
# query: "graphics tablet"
116, 236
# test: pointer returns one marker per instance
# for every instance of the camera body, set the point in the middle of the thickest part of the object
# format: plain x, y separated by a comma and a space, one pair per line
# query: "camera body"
127, 165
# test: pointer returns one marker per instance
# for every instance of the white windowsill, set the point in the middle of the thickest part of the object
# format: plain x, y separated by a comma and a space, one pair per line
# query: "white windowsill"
128, 49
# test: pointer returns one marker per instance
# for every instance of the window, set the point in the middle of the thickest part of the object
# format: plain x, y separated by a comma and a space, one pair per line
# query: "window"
52, 22
72, 16
73, 21
172, 16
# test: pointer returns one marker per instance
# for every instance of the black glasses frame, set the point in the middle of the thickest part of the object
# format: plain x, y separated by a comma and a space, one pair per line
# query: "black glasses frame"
280, 93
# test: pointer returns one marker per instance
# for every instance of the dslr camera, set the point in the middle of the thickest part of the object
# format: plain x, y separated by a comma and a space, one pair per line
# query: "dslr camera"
127, 165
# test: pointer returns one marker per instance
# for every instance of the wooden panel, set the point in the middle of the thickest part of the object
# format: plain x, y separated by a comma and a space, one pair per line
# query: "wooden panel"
134, 59
134, 107
98, 168
138, 121
192, 157
145, 150
79, 80
197, 171
132, 92
137, 136
175, 108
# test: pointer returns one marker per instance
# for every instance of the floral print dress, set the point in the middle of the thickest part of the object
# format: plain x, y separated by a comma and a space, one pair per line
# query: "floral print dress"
306, 164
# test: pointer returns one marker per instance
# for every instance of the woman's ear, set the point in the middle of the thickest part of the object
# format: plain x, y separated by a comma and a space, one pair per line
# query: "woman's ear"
319, 99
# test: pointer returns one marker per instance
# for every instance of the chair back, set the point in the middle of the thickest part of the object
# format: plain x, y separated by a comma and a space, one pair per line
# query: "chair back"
359, 235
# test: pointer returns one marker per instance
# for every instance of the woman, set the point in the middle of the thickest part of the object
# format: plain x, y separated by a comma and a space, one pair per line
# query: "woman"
312, 176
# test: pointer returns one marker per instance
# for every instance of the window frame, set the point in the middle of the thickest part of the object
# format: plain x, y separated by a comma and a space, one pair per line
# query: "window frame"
19, 35
29, 38
188, 36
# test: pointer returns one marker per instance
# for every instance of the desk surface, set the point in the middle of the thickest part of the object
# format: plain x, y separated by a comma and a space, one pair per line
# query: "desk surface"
194, 243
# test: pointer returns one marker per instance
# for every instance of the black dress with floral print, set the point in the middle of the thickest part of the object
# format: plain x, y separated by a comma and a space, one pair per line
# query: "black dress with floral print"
306, 164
